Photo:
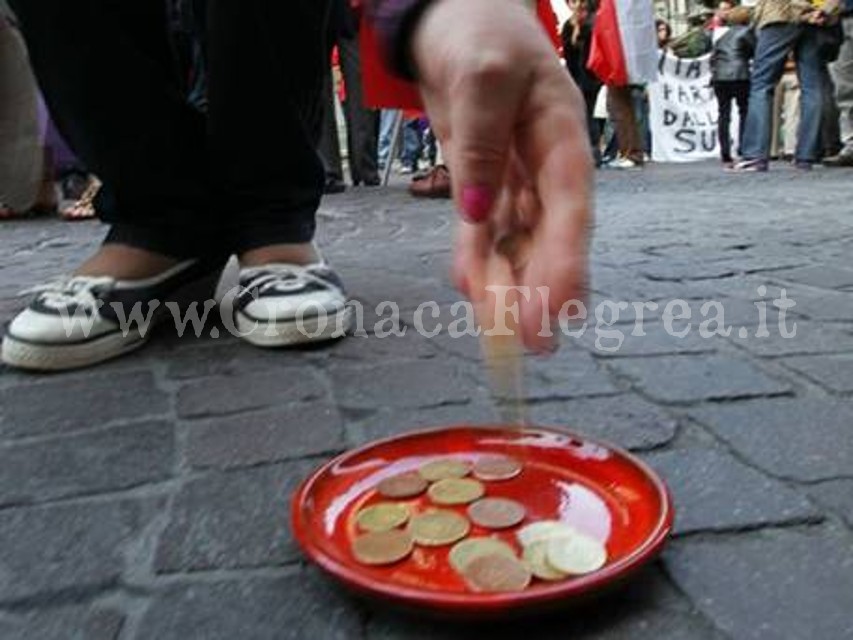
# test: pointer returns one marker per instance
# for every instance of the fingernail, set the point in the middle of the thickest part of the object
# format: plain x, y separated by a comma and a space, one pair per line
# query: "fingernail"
476, 203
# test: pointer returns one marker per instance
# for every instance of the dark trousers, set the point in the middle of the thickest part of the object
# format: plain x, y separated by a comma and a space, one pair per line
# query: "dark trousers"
728, 91
362, 123
590, 95
176, 181
620, 106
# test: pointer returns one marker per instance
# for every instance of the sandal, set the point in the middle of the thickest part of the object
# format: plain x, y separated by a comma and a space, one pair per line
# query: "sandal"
84, 208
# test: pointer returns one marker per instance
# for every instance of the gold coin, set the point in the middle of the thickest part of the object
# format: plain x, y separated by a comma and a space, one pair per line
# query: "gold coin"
467, 550
382, 517
382, 547
535, 557
496, 513
438, 527
403, 485
497, 574
445, 468
495, 468
456, 491
577, 554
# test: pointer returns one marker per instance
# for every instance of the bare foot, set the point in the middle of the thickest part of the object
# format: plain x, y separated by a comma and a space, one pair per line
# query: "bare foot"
123, 262
301, 254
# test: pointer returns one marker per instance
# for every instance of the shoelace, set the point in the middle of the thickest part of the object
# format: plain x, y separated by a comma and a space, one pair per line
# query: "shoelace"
80, 291
282, 277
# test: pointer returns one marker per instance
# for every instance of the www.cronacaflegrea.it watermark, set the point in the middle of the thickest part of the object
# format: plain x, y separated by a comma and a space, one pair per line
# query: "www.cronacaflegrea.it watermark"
606, 320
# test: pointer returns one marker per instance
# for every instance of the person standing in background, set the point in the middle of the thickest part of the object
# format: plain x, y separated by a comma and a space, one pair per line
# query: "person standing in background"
734, 45
362, 123
842, 76
577, 40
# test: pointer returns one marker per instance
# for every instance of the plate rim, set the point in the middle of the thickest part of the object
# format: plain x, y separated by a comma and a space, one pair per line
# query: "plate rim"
474, 603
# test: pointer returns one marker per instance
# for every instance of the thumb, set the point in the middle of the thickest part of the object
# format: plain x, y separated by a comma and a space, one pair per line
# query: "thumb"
483, 113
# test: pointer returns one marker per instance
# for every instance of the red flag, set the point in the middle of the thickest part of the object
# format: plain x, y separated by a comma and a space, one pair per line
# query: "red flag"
606, 55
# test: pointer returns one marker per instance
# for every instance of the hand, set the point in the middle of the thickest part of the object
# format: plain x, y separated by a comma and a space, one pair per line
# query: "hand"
513, 129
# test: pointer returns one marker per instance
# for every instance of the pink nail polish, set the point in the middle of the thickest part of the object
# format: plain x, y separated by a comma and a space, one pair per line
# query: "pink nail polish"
477, 203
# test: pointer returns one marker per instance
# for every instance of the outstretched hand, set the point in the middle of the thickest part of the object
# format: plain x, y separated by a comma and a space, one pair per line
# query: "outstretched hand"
512, 128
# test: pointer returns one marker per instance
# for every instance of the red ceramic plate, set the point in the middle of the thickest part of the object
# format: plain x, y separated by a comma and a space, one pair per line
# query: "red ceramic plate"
600, 490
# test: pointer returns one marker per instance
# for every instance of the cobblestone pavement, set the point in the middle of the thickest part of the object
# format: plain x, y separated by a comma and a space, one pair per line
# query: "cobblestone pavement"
147, 499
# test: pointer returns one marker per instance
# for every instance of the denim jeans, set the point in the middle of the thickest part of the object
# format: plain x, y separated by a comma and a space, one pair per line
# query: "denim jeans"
775, 42
842, 74
386, 131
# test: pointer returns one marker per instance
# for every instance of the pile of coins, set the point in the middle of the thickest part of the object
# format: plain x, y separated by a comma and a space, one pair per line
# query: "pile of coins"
390, 531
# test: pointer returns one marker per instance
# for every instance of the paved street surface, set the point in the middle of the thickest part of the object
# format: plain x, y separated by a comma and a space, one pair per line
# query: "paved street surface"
148, 499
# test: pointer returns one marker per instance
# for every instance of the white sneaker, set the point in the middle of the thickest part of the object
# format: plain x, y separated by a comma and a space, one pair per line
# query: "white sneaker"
622, 163
281, 305
83, 320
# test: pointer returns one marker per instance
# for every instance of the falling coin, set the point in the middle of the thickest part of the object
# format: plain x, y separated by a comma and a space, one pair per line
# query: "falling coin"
472, 548
454, 491
444, 469
382, 517
438, 527
404, 485
576, 555
497, 573
495, 468
496, 513
382, 547
544, 530
536, 558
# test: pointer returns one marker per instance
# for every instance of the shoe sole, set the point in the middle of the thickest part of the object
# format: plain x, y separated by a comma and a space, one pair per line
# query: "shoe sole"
63, 357
289, 334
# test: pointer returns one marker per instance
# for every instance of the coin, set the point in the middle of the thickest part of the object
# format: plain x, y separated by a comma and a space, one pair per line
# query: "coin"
577, 554
445, 468
542, 531
496, 513
497, 573
464, 552
494, 468
403, 485
535, 557
382, 517
438, 527
382, 547
456, 491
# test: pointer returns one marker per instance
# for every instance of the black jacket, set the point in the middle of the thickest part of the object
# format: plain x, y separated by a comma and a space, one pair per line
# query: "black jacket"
577, 56
731, 54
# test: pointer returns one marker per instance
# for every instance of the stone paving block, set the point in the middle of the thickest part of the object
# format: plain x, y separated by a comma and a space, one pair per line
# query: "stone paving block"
393, 422
68, 547
269, 435
770, 584
682, 379
714, 492
371, 348
647, 609
819, 304
76, 402
85, 622
87, 463
297, 607
624, 420
223, 395
231, 520
803, 439
810, 338
832, 372
570, 373
837, 495
656, 341
413, 384
823, 276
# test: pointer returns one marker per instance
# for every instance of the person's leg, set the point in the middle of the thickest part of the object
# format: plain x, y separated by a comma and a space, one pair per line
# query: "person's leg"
621, 109
109, 79
774, 43
724, 109
830, 135
386, 131
590, 97
362, 122
842, 74
791, 113
330, 144
810, 71
741, 95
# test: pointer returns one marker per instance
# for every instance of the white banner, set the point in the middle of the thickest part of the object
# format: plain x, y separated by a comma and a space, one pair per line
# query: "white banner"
683, 111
